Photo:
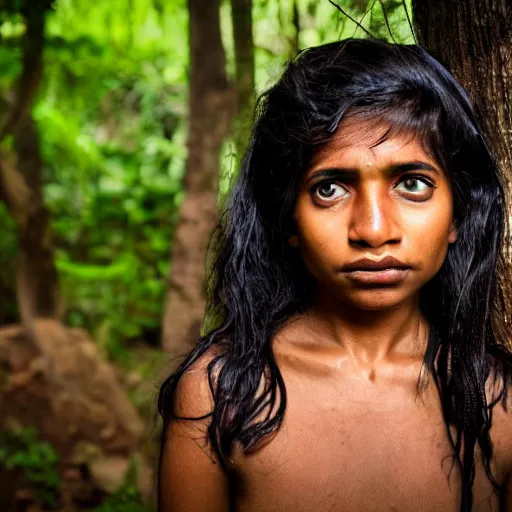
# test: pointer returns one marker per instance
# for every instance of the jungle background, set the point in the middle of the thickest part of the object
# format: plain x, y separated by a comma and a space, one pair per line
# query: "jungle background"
122, 125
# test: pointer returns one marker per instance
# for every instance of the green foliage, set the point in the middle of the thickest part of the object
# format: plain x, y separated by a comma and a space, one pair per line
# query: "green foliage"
111, 113
112, 118
127, 498
21, 449
276, 39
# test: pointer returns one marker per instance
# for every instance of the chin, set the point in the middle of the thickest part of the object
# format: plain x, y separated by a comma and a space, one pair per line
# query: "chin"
378, 299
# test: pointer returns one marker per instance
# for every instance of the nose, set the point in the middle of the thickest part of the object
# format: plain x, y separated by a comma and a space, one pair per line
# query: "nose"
373, 222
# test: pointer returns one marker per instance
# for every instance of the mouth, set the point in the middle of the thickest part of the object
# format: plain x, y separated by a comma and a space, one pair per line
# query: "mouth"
387, 271
385, 276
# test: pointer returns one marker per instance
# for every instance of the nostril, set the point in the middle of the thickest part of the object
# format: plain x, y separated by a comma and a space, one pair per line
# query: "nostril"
368, 242
361, 243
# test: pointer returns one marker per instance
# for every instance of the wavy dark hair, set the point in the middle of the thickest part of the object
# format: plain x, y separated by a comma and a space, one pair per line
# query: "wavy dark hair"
258, 281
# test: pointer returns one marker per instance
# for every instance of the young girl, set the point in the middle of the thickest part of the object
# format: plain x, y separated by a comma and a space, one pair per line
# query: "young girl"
360, 359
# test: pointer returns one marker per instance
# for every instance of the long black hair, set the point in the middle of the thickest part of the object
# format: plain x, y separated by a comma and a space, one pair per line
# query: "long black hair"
258, 281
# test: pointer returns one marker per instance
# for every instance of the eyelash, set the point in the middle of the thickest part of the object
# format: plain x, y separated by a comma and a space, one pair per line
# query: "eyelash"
418, 177
403, 178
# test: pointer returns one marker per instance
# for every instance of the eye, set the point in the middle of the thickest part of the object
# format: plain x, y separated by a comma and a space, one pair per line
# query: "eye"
416, 188
329, 191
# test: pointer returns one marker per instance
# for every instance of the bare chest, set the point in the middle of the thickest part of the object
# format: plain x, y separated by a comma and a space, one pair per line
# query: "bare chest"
349, 448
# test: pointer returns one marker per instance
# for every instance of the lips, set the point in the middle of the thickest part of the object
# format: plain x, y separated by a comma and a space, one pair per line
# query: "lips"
385, 271
367, 264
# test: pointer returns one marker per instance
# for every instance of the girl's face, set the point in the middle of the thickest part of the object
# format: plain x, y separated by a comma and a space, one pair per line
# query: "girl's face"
373, 221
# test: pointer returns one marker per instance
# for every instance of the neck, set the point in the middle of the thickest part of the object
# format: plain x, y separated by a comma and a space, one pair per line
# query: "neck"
371, 337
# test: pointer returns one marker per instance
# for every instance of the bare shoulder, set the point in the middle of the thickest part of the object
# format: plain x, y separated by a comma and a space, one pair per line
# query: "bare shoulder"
190, 476
193, 403
194, 391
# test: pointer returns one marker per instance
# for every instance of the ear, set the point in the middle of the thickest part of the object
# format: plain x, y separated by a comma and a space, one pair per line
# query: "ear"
294, 241
454, 233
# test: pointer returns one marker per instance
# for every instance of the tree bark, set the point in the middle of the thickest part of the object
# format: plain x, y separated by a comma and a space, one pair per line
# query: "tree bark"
473, 39
211, 108
32, 64
36, 276
21, 184
244, 64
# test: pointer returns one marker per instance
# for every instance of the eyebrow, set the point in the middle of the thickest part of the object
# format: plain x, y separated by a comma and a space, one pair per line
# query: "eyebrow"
351, 174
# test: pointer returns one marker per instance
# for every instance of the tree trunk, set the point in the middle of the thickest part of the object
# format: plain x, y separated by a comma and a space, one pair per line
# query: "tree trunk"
296, 26
32, 64
473, 39
21, 187
36, 275
211, 108
244, 64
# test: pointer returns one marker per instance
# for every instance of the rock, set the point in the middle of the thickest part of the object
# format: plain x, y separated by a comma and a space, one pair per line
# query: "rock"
84, 452
61, 373
132, 380
109, 473
57, 382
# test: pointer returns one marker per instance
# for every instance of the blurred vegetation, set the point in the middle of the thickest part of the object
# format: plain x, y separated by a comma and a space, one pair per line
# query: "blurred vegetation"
21, 449
126, 499
111, 115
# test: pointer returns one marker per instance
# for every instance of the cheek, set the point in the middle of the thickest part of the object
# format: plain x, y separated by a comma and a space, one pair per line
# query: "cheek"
321, 232
322, 238
428, 236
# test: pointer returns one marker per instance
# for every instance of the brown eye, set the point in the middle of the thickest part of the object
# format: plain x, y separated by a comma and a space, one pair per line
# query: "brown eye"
413, 186
329, 191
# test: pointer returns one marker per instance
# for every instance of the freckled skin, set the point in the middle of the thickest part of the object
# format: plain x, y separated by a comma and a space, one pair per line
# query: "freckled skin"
356, 436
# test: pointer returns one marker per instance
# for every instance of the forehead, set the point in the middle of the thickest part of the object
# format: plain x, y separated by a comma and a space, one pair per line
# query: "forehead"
366, 143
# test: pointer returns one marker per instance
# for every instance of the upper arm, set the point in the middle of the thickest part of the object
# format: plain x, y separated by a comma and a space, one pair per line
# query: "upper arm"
501, 437
505, 444
507, 495
191, 477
